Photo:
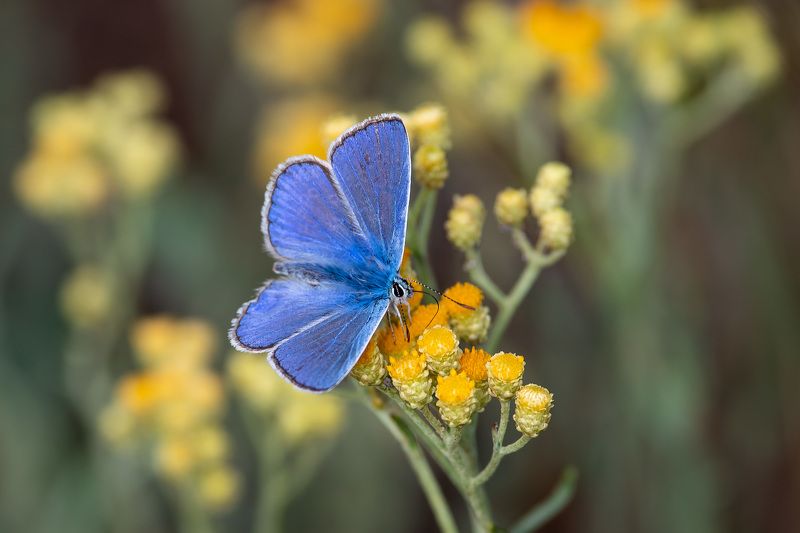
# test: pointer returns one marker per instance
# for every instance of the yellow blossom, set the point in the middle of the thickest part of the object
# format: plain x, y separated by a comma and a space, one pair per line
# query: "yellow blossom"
556, 226
411, 378
465, 221
211, 443
440, 346
165, 340
562, 30
139, 394
430, 166
428, 125
87, 296
456, 398
55, 186
554, 177
511, 206
473, 365
255, 380
133, 93
142, 154
532, 409
219, 487
392, 340
175, 458
304, 417
426, 316
504, 371
370, 368
335, 126
301, 41
291, 127
463, 293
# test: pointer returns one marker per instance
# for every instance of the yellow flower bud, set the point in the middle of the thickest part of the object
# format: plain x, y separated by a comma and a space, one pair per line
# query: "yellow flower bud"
455, 395
555, 177
411, 378
440, 346
335, 126
556, 229
175, 458
219, 488
428, 126
87, 296
511, 206
430, 166
532, 409
473, 326
465, 221
505, 374
370, 369
543, 200
211, 444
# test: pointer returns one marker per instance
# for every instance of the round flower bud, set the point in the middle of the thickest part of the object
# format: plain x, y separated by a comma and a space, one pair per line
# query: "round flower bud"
556, 229
532, 409
465, 221
555, 177
219, 488
440, 346
428, 125
511, 206
430, 166
543, 200
335, 126
411, 378
472, 327
455, 395
87, 296
504, 371
473, 364
370, 369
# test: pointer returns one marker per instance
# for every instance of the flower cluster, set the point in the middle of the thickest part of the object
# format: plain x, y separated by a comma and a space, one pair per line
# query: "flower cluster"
298, 417
665, 51
544, 201
432, 364
96, 146
301, 42
174, 406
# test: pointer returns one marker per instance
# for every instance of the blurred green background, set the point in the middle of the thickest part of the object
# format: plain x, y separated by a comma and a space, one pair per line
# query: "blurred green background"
135, 142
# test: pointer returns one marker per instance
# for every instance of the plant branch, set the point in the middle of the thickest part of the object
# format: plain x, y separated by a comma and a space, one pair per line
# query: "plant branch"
555, 502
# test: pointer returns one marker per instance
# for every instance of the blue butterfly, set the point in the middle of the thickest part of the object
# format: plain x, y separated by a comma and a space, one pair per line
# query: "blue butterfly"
336, 231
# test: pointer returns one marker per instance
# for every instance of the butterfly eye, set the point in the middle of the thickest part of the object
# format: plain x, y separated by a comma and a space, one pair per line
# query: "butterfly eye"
397, 290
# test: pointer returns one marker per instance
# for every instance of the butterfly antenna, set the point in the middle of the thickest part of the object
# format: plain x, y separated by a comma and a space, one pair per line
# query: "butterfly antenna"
465, 306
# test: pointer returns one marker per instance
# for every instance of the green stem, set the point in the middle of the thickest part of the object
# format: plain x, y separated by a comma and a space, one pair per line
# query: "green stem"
498, 436
408, 442
545, 510
480, 277
433, 421
536, 261
423, 232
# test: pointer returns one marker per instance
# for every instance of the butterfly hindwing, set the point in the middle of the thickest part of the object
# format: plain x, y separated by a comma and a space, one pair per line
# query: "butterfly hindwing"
313, 334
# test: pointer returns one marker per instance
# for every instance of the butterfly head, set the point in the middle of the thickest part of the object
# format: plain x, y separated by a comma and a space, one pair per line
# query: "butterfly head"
400, 291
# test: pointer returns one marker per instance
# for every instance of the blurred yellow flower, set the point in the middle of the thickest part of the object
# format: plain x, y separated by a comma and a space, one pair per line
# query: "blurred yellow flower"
335, 126
87, 296
302, 416
563, 31
166, 340
254, 380
289, 128
511, 206
301, 41
57, 186
464, 223
219, 487
89, 145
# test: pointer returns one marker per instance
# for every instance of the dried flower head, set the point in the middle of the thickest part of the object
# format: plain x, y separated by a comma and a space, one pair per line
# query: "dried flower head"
505, 374
532, 409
